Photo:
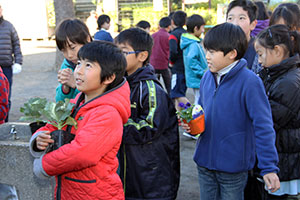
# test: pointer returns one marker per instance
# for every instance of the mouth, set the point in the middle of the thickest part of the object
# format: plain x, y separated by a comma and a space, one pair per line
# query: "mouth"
79, 81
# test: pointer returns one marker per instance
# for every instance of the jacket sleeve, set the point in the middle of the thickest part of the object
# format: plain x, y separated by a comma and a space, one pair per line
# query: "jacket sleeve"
284, 101
101, 133
151, 120
60, 95
173, 45
197, 61
259, 111
16, 46
4, 88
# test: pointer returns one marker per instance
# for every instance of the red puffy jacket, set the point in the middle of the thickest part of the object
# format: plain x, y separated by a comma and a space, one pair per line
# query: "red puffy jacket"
89, 163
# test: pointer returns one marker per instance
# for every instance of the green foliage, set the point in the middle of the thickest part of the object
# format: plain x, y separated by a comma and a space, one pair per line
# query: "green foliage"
50, 13
186, 111
57, 114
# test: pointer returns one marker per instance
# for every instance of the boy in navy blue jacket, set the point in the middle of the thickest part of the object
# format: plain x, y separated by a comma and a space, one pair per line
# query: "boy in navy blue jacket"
238, 120
149, 154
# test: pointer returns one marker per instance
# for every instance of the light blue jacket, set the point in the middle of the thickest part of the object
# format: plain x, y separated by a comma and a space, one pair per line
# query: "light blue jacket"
60, 95
195, 63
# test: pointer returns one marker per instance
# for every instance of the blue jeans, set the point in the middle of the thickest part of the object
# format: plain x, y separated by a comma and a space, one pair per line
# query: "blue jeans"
216, 185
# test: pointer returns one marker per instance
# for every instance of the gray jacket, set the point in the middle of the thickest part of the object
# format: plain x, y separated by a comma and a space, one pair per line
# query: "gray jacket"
10, 51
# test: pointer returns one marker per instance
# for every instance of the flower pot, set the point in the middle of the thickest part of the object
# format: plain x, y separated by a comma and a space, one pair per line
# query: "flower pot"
60, 138
197, 125
34, 126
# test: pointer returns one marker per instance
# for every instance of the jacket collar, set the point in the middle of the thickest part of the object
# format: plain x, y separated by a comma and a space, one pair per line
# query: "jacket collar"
1, 19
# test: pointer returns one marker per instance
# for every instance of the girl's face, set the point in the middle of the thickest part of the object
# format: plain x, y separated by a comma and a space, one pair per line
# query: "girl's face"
71, 50
266, 57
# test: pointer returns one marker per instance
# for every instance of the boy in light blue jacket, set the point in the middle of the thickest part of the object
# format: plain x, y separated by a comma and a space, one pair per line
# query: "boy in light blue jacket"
193, 54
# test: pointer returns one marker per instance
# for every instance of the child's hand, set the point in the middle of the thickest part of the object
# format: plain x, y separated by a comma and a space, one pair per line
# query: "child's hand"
272, 181
66, 77
184, 126
43, 140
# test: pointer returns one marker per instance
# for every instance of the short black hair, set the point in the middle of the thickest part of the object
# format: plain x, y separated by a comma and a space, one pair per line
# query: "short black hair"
102, 19
226, 37
179, 18
109, 57
138, 39
73, 30
194, 21
289, 12
143, 24
247, 5
262, 13
165, 22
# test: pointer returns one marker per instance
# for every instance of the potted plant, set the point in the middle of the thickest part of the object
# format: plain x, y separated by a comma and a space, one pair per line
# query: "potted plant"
193, 115
58, 114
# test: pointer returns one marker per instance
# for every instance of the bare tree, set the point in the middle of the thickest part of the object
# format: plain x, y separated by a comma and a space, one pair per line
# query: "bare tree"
63, 9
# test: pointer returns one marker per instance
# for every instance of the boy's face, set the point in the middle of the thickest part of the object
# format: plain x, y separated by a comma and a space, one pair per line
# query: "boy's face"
106, 25
239, 17
70, 51
217, 61
133, 60
198, 31
87, 76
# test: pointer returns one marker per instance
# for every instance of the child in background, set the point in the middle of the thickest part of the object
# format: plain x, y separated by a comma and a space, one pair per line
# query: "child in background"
160, 51
178, 85
288, 14
70, 36
103, 26
238, 120
243, 13
144, 25
149, 154
193, 54
262, 18
4, 93
278, 50
86, 167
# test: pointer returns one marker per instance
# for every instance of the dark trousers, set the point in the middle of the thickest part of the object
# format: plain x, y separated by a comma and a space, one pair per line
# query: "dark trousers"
166, 74
8, 73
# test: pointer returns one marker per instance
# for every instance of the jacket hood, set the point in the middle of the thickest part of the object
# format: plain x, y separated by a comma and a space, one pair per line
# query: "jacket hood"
118, 97
141, 74
187, 39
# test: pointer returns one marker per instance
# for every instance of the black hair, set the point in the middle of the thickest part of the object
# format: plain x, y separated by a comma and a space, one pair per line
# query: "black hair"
247, 5
143, 24
194, 21
289, 12
279, 34
171, 15
179, 18
262, 13
165, 22
73, 30
109, 57
102, 19
226, 37
138, 39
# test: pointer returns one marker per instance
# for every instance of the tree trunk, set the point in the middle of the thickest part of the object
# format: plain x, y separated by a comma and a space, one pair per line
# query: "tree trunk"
63, 9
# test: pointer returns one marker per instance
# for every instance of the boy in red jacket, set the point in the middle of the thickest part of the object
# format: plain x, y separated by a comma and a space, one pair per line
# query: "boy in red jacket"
86, 167
4, 91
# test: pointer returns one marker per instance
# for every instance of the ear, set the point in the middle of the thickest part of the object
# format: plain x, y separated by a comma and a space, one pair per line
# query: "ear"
109, 80
279, 51
196, 29
142, 56
253, 25
88, 39
232, 54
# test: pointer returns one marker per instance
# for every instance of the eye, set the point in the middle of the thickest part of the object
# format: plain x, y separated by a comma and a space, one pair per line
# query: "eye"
242, 18
88, 65
229, 18
78, 62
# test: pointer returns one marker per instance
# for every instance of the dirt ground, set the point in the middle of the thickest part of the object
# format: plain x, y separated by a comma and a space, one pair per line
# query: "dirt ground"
38, 79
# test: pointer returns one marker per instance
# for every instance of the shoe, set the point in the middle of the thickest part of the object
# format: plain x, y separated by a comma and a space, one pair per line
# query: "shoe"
195, 137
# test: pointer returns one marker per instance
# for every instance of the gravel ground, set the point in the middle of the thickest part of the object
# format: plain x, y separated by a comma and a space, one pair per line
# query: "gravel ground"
38, 79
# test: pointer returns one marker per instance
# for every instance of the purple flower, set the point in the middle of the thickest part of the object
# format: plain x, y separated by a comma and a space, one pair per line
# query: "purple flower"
181, 105
188, 105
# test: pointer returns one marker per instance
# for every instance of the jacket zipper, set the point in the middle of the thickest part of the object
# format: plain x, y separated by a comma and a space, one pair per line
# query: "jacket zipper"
58, 192
124, 179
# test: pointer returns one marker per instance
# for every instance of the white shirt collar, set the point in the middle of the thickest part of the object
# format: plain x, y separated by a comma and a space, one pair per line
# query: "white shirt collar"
225, 70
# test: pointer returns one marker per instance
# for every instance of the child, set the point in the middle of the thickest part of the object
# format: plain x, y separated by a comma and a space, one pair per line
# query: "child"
193, 54
103, 26
86, 167
160, 51
238, 121
149, 154
178, 85
243, 13
4, 91
262, 18
278, 50
144, 25
288, 14
70, 36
